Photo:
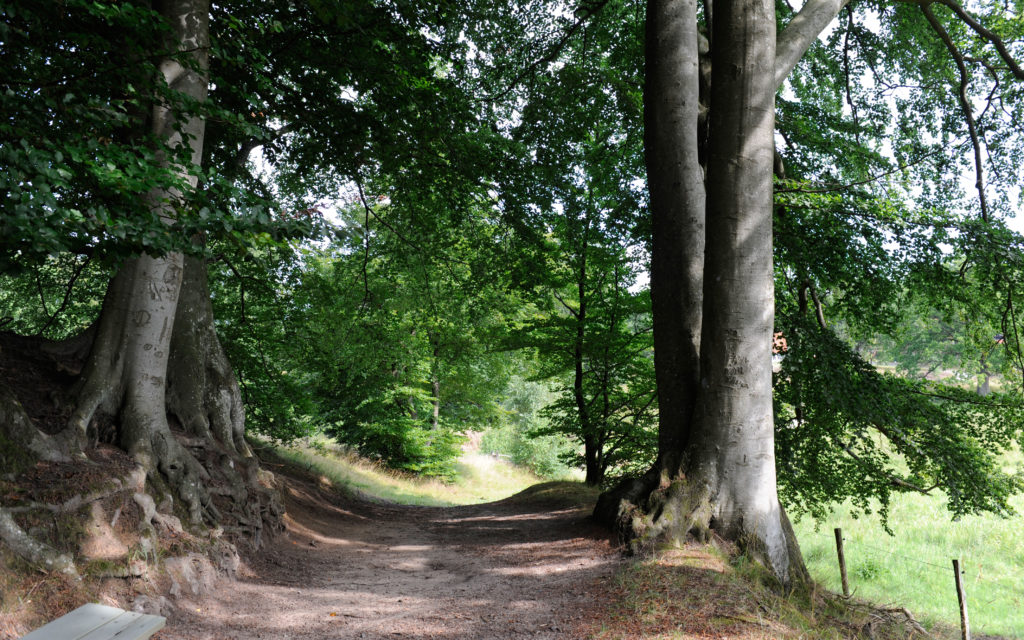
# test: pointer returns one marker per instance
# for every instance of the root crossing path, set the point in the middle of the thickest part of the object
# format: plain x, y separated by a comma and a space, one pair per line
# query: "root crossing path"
527, 567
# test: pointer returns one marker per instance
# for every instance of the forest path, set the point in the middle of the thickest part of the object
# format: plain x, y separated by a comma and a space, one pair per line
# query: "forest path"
528, 567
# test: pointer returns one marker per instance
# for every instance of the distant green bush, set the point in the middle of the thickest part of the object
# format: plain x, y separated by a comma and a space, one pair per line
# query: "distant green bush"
542, 454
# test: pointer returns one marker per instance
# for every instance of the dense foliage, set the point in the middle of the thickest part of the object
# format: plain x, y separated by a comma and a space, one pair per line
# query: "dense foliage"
482, 168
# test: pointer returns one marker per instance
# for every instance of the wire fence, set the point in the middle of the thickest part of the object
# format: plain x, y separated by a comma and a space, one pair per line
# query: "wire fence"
883, 574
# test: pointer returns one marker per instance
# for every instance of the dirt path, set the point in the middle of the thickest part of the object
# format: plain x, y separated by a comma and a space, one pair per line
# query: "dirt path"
513, 569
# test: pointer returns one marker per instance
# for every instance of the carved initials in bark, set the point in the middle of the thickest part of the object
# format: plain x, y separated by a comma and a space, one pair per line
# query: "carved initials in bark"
154, 356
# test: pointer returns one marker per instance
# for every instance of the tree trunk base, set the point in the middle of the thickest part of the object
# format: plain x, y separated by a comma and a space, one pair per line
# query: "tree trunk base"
651, 511
184, 428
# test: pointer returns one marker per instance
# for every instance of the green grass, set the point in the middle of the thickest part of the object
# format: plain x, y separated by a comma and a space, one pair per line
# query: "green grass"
913, 569
480, 478
696, 592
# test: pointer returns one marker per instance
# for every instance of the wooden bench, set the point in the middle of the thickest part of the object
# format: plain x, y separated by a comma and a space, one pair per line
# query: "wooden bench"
99, 622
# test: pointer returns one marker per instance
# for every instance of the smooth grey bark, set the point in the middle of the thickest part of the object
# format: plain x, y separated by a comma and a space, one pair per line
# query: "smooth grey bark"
21, 443
801, 32
675, 180
713, 305
157, 306
677, 201
39, 554
126, 372
734, 450
202, 391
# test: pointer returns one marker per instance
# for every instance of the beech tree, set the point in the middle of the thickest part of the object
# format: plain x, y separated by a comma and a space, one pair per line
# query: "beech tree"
153, 347
129, 137
712, 277
144, 164
711, 81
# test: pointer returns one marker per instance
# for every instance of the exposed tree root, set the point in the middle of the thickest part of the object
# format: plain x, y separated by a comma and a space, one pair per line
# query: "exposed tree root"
30, 549
654, 510
134, 481
21, 443
210, 468
649, 511
206, 467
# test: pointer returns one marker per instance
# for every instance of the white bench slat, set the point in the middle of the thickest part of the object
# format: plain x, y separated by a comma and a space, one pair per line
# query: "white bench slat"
77, 623
127, 626
99, 622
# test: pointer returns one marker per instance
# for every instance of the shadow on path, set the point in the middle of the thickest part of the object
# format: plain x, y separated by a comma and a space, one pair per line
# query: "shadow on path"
346, 569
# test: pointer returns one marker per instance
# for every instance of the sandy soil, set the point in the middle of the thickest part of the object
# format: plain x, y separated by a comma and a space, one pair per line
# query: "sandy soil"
347, 569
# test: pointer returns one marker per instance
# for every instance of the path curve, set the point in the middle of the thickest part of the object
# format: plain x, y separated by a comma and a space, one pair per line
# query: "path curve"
519, 568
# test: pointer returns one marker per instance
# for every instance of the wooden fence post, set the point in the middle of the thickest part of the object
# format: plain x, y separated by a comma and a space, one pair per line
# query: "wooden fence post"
965, 625
842, 562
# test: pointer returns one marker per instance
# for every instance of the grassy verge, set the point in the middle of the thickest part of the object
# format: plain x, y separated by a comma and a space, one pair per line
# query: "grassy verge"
913, 569
695, 592
481, 478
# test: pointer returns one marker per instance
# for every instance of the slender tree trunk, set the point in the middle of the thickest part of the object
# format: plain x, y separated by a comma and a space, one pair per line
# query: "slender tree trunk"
676, 183
435, 386
984, 387
591, 454
592, 461
675, 180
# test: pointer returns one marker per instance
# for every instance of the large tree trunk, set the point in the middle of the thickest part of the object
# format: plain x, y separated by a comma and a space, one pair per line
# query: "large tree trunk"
126, 372
716, 463
201, 387
733, 451
155, 361
203, 396
675, 180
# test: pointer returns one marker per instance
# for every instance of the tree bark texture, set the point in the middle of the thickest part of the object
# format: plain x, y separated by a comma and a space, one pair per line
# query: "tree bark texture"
675, 180
21, 443
676, 183
202, 389
155, 363
126, 372
733, 452
713, 303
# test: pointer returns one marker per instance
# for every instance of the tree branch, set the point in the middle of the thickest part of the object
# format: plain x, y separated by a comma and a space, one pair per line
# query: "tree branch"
584, 12
893, 479
558, 297
67, 296
241, 287
965, 104
978, 28
846, 72
243, 152
801, 32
